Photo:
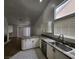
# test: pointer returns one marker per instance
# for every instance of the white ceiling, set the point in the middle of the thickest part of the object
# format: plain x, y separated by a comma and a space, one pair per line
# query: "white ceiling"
20, 9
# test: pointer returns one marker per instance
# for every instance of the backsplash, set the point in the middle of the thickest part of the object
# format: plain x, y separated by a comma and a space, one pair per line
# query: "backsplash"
66, 27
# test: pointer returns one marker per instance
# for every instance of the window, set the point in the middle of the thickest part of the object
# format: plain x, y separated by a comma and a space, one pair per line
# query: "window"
61, 6
26, 31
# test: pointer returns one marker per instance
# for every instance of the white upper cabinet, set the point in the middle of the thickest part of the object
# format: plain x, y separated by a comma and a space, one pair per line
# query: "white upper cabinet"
65, 8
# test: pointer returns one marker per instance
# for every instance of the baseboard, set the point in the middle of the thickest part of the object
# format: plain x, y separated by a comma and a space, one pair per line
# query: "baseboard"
30, 48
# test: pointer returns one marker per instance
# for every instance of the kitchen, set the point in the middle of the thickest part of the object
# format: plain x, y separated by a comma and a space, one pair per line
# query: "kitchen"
39, 29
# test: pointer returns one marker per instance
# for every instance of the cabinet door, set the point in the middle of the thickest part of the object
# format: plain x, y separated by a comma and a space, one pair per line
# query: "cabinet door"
50, 52
59, 55
35, 42
26, 44
40, 43
30, 43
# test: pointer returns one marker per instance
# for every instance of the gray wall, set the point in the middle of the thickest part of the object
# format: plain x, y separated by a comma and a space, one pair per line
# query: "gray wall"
65, 26
10, 28
42, 23
5, 26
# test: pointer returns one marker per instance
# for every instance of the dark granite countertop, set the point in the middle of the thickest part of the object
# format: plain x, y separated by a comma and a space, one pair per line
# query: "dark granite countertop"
67, 41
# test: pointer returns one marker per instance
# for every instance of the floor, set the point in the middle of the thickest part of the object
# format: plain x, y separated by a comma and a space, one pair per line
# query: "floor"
29, 54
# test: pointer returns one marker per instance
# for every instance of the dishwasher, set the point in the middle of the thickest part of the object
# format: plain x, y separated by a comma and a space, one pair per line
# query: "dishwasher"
44, 48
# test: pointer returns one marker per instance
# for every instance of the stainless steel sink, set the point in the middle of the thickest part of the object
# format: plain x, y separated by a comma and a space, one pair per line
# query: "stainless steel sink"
73, 53
62, 46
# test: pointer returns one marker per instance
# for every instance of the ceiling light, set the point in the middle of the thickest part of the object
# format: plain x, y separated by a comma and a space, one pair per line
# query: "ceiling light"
41, 0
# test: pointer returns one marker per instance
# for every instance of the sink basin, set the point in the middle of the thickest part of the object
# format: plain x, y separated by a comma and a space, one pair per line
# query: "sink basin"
63, 47
73, 53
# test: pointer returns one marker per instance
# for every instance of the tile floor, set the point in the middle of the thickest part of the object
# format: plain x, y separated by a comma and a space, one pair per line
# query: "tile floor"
29, 54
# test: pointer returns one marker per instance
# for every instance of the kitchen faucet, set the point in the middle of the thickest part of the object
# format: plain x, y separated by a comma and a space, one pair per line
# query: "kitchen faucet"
61, 37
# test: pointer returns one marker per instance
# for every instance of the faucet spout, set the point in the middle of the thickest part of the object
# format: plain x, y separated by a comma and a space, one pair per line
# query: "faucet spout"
61, 37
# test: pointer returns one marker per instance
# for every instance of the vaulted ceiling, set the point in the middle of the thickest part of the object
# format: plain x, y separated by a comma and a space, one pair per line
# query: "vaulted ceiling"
17, 11
21, 9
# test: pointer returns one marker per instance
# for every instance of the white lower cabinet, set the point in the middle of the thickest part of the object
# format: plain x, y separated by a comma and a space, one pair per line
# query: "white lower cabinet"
26, 44
35, 42
53, 53
50, 52
59, 55
29, 43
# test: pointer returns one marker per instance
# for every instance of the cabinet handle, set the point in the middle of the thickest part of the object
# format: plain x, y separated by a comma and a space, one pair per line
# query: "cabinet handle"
53, 49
